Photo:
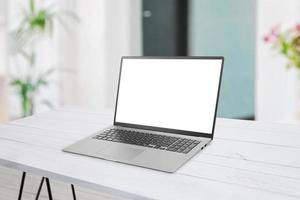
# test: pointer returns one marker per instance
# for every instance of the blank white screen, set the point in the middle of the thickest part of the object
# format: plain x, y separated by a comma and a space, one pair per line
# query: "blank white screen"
169, 93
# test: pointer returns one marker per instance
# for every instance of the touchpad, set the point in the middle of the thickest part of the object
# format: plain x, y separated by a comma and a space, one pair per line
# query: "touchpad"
119, 152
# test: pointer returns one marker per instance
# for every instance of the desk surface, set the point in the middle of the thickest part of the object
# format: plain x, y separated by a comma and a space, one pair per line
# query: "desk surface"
246, 160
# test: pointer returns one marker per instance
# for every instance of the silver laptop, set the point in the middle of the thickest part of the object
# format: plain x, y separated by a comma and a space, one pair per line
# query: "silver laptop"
165, 112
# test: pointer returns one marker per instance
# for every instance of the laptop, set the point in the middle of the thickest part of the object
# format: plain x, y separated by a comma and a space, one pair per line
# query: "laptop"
165, 112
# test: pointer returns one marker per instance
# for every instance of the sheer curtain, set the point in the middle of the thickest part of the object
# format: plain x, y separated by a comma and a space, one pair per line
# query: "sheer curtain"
90, 50
3, 62
3, 30
87, 53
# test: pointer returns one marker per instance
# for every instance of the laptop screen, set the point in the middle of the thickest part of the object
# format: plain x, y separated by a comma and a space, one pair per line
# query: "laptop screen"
171, 93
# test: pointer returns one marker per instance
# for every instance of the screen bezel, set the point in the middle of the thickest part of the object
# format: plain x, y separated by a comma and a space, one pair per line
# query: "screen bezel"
168, 130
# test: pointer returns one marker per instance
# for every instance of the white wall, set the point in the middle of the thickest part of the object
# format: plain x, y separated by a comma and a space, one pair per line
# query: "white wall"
275, 85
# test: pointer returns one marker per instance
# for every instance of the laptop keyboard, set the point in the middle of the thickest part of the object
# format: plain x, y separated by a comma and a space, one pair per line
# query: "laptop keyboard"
162, 142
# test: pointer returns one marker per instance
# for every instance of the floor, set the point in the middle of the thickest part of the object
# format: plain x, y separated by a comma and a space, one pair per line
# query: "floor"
10, 182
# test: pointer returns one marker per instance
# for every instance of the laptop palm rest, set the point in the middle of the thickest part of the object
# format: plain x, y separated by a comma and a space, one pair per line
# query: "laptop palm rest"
119, 152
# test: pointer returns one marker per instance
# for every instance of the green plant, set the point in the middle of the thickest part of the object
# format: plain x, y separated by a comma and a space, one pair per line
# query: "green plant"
27, 88
287, 43
35, 23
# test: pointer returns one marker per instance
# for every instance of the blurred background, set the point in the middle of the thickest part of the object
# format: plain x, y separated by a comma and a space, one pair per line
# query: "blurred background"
66, 53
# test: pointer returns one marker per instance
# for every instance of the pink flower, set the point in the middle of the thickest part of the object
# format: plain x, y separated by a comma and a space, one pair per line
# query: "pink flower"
272, 37
297, 27
267, 39
275, 30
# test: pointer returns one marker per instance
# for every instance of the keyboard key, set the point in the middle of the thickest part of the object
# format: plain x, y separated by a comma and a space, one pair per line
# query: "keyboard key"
160, 142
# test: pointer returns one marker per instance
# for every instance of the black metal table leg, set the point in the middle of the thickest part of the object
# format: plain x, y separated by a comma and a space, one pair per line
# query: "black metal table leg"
49, 189
22, 186
40, 188
73, 192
